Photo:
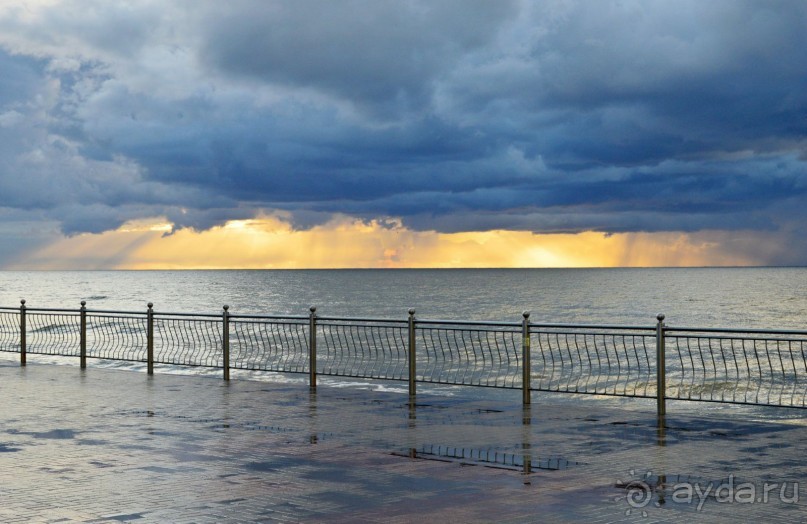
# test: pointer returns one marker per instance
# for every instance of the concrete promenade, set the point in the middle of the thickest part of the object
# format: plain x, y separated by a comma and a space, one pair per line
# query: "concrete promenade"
104, 445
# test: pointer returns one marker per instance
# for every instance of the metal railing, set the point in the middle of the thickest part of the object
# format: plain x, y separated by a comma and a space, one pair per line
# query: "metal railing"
757, 367
760, 367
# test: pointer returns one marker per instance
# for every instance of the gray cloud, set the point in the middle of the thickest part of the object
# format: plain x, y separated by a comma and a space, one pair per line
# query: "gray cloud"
384, 56
552, 116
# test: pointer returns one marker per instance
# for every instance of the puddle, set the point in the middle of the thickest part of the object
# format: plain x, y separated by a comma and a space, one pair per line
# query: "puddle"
275, 464
58, 434
487, 457
127, 518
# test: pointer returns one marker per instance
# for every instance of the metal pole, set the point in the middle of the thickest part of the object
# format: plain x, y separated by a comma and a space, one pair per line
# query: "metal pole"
412, 355
83, 353
525, 357
661, 372
226, 342
150, 338
312, 348
23, 334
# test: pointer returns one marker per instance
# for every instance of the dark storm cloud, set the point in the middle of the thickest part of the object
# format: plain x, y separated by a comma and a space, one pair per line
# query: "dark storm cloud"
381, 55
453, 116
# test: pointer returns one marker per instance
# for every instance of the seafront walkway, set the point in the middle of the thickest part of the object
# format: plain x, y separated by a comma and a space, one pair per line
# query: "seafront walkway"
104, 445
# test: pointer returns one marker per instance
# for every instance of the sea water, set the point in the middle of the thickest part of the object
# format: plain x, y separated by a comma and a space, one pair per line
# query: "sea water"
700, 297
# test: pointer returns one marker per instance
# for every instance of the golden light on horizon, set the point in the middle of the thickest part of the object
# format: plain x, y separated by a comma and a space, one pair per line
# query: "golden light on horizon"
270, 242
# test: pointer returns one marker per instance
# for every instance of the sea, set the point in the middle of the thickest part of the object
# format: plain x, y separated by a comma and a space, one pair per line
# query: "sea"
692, 297
755, 298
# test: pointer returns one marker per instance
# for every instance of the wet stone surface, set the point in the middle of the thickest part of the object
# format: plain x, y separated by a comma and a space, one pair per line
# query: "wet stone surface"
118, 446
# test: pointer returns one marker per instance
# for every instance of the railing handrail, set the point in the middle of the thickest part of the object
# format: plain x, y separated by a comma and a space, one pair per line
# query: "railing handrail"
536, 325
188, 315
672, 330
374, 320
593, 333
403, 321
49, 310
113, 312
446, 322
269, 317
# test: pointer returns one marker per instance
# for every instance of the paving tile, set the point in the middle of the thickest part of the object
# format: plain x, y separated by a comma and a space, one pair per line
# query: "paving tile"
101, 445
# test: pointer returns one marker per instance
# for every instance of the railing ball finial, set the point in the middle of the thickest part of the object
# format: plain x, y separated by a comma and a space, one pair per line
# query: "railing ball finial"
22, 301
313, 309
226, 307
83, 303
150, 305
525, 314
660, 317
411, 311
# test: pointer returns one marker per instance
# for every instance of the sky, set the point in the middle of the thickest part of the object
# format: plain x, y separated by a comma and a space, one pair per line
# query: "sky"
376, 133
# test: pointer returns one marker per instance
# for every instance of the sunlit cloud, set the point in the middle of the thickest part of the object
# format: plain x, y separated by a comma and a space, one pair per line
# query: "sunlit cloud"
270, 242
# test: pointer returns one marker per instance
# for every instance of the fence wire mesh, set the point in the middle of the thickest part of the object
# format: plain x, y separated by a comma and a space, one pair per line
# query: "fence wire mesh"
475, 356
116, 337
750, 369
9, 330
601, 363
362, 349
53, 333
186, 341
269, 345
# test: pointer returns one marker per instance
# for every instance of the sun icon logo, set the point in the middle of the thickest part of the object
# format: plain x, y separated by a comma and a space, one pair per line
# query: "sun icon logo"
639, 492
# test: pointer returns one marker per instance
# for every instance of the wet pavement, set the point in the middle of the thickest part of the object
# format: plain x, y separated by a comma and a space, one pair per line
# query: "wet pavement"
104, 445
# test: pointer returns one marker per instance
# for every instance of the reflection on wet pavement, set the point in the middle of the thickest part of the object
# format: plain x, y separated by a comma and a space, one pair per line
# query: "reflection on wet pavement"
114, 446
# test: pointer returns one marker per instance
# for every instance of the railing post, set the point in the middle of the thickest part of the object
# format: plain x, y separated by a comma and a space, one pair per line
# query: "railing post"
412, 354
526, 371
661, 372
226, 341
312, 348
150, 338
83, 351
23, 334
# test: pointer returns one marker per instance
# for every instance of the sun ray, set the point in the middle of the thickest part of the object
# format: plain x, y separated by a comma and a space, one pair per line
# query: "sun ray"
270, 242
